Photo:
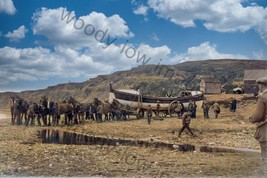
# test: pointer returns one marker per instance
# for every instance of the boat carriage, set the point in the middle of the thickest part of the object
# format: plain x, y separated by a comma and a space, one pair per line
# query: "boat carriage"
139, 102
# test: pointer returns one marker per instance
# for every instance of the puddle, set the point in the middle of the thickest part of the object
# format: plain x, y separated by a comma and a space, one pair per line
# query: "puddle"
52, 136
71, 138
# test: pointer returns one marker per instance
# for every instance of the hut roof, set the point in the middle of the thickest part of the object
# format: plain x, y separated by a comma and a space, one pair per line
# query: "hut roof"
211, 80
254, 74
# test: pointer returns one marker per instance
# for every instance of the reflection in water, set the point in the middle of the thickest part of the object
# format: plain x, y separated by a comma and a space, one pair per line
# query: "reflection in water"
70, 138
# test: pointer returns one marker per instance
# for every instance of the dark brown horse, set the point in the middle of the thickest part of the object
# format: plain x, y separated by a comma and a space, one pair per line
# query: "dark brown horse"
66, 109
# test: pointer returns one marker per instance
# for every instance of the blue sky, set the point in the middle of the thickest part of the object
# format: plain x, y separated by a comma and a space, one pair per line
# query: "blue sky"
44, 43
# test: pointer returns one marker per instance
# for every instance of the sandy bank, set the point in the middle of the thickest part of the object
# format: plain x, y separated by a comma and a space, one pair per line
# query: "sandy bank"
4, 116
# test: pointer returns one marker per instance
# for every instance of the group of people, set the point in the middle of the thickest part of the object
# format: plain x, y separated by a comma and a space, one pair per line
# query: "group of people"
215, 107
259, 117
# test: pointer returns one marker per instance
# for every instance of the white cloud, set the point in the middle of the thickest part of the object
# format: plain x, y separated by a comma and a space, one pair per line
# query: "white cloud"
62, 27
203, 52
141, 10
258, 54
218, 15
7, 6
154, 37
17, 34
41, 63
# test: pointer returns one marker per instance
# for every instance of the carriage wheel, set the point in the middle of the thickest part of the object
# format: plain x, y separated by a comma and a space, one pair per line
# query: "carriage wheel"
140, 113
165, 113
171, 108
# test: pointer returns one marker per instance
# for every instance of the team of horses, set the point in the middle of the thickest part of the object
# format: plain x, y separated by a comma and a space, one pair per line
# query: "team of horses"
48, 112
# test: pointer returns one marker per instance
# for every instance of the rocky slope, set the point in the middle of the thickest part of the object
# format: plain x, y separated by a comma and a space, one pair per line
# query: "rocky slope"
150, 79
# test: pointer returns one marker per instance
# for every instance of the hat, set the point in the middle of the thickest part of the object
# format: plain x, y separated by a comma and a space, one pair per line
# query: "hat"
262, 80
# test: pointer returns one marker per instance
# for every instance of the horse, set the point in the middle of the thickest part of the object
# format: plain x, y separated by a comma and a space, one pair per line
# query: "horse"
32, 112
119, 111
43, 110
107, 107
67, 109
79, 113
18, 109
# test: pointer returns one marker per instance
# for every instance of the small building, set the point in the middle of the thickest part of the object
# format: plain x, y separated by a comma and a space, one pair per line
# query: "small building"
210, 86
250, 77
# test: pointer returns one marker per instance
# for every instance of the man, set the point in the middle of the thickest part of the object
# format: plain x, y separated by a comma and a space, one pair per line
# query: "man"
233, 104
216, 109
190, 107
157, 109
205, 107
259, 118
149, 114
186, 119
179, 109
194, 111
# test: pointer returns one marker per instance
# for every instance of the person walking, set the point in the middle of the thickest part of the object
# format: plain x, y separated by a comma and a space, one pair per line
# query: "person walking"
259, 118
186, 119
216, 109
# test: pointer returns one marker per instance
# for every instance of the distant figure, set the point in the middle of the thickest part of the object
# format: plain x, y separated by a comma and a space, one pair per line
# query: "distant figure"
179, 109
168, 94
205, 107
216, 109
149, 114
259, 118
100, 112
233, 105
186, 119
157, 109
190, 106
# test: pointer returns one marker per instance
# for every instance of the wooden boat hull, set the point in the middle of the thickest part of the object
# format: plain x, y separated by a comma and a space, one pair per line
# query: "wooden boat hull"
136, 100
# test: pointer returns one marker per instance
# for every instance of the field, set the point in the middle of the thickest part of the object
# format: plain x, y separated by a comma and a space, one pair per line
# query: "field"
23, 153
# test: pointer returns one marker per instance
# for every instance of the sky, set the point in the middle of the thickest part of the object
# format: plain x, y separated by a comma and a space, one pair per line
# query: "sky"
47, 42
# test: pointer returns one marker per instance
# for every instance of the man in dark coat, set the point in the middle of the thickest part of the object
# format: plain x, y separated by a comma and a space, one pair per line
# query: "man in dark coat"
233, 104
260, 119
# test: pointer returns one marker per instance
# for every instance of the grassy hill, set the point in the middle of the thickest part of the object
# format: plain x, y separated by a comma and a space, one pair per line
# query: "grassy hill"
150, 79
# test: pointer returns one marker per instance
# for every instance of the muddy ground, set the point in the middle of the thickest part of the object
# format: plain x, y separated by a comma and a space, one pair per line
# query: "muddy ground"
23, 154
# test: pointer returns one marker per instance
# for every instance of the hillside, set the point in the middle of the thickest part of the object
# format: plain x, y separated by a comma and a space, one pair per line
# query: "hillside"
150, 79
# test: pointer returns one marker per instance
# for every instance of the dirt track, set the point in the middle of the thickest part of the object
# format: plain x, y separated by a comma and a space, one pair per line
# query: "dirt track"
23, 154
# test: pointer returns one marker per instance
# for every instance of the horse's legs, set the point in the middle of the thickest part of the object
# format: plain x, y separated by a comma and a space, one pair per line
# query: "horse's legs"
44, 117
12, 118
27, 121
39, 120
17, 118
32, 120
49, 117
25, 117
